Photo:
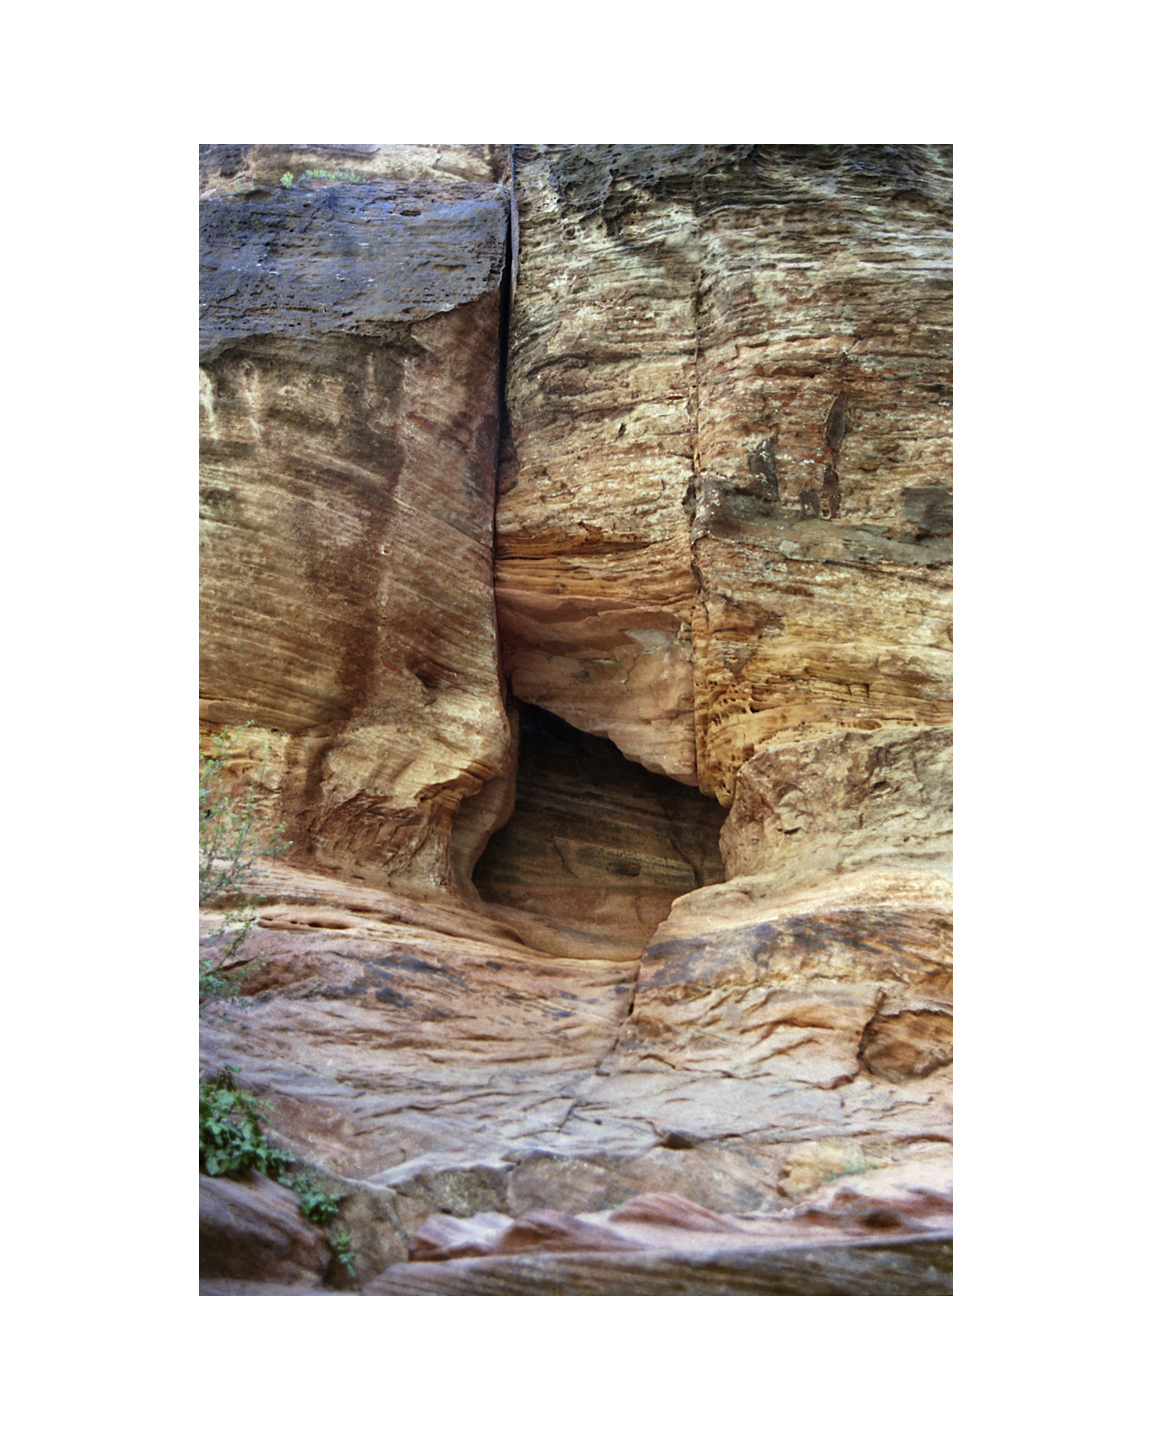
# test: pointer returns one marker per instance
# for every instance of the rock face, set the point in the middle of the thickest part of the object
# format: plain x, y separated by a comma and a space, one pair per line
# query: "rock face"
349, 427
663, 1244
725, 510
837, 804
835, 983
621, 843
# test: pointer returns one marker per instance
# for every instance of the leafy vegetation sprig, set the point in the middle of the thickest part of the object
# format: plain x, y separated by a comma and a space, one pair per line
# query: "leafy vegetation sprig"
232, 1142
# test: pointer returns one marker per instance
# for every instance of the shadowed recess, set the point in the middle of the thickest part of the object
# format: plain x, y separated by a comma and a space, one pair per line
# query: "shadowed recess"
597, 847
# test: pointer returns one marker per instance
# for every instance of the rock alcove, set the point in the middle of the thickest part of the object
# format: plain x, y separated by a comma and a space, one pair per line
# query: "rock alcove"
710, 386
597, 847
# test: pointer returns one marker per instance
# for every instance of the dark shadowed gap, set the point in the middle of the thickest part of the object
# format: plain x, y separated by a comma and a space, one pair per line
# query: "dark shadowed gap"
597, 847
507, 295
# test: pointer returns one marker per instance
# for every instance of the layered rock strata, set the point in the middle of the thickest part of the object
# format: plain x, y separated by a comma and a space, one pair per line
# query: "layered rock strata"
723, 552
725, 509
251, 1230
427, 1064
597, 847
350, 338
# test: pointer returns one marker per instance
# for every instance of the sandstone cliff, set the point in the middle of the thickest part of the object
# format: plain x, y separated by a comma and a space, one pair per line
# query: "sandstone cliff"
349, 425
577, 544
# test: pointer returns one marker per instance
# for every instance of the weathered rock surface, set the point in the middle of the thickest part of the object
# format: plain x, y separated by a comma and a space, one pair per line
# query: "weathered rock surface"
846, 980
350, 260
663, 1244
237, 169
349, 427
827, 964
431, 1063
729, 385
723, 552
251, 1229
597, 847
921, 1266
811, 809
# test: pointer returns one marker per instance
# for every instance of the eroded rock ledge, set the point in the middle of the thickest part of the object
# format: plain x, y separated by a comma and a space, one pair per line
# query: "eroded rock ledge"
506, 975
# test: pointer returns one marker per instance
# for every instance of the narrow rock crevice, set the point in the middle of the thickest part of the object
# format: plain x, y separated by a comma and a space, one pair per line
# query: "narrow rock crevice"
507, 296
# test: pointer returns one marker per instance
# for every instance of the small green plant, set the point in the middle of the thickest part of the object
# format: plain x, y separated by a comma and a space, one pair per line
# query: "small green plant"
341, 1243
286, 179
316, 1205
231, 1140
216, 986
320, 1209
229, 854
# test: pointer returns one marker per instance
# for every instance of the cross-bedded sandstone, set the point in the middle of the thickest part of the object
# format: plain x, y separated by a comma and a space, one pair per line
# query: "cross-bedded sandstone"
723, 514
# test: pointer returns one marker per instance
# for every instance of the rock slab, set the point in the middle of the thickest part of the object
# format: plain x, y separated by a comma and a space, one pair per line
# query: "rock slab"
349, 402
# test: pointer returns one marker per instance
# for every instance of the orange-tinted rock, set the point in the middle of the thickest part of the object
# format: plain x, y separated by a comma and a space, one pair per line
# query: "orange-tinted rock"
723, 545
812, 809
799, 989
349, 423
419, 1052
641, 660
729, 385
813, 626
597, 847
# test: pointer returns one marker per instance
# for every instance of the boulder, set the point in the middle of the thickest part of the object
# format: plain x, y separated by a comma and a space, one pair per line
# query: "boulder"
251, 1229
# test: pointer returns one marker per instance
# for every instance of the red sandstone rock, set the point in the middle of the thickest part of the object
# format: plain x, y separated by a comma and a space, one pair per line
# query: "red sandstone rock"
723, 544
729, 386
251, 1229
670, 1210
349, 422
903, 1265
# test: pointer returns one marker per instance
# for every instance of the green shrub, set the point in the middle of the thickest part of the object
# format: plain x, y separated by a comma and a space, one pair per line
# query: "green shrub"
341, 1243
320, 1209
231, 1140
316, 1205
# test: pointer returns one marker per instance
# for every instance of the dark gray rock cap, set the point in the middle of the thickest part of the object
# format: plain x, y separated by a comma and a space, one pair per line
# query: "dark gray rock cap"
354, 259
